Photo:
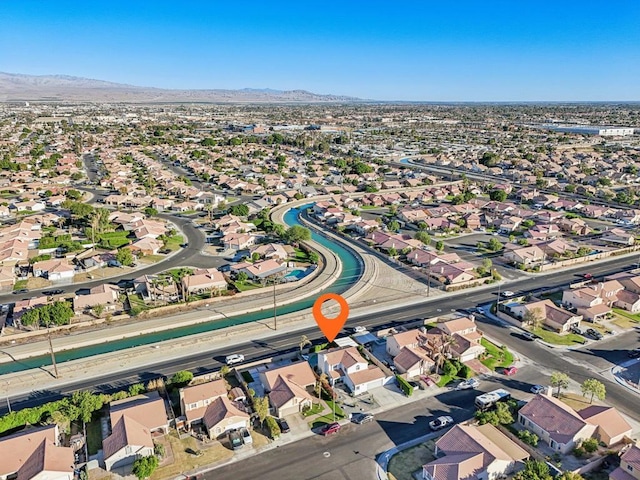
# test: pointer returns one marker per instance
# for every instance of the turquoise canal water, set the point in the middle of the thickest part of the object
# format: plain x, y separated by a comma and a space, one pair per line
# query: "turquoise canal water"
351, 271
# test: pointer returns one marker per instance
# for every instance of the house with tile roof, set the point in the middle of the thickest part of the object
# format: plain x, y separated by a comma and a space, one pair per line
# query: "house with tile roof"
204, 280
148, 409
195, 399
474, 451
629, 468
223, 415
612, 427
48, 462
555, 423
552, 316
289, 387
16, 449
346, 365
128, 441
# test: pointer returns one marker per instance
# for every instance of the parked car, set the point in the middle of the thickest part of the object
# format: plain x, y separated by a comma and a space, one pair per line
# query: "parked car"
537, 389
330, 429
233, 359
508, 293
509, 371
467, 384
440, 423
576, 330
596, 335
49, 293
360, 418
284, 426
246, 436
528, 336
359, 329
235, 440
635, 353
20, 291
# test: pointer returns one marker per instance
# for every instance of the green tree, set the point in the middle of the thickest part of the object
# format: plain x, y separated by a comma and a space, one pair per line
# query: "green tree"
144, 467
261, 408
241, 210
424, 237
181, 378
559, 380
242, 277
124, 256
313, 257
304, 342
150, 212
534, 470
498, 195
297, 234
449, 368
590, 445
86, 403
570, 476
439, 245
494, 245
97, 310
273, 427
593, 387
393, 252
393, 226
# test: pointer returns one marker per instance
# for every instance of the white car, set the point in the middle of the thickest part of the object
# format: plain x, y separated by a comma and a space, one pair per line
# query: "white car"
467, 384
508, 293
537, 389
359, 329
233, 359
440, 423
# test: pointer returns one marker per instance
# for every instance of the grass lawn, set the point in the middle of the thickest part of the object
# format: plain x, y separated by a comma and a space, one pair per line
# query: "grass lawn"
184, 461
552, 337
553, 296
301, 255
575, 401
444, 380
404, 463
623, 313
20, 284
152, 259
94, 436
369, 207
136, 302
496, 357
314, 410
173, 243
244, 286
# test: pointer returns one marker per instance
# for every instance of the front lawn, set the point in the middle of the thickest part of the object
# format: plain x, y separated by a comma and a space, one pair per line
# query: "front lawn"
314, 410
94, 436
631, 316
552, 337
20, 284
244, 286
494, 356
173, 243
404, 463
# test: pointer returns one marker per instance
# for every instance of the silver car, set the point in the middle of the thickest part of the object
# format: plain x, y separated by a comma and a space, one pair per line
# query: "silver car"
441, 422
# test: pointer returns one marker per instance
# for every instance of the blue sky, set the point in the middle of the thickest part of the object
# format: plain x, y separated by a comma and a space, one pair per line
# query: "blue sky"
516, 50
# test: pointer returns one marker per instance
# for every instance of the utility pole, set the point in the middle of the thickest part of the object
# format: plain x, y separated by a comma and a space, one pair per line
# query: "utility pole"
53, 357
8, 403
428, 278
275, 313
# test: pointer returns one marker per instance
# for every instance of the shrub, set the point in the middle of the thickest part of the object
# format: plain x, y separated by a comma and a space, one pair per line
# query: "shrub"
404, 386
590, 445
528, 437
579, 452
273, 427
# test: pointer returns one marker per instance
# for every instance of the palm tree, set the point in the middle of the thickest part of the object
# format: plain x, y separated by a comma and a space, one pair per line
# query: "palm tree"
304, 341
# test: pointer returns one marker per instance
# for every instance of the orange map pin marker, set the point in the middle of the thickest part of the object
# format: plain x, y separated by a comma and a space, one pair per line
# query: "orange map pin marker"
330, 326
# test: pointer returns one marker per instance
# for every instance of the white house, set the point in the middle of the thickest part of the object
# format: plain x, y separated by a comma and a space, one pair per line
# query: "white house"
346, 365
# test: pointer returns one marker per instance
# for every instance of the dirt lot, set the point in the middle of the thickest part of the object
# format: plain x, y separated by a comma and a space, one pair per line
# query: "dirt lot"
402, 465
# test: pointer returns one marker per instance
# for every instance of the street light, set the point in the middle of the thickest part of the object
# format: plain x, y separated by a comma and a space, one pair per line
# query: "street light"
276, 280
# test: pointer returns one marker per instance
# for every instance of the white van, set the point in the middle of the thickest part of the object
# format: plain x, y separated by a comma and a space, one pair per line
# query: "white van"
235, 358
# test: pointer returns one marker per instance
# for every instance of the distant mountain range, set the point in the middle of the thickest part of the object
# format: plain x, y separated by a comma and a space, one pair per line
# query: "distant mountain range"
63, 88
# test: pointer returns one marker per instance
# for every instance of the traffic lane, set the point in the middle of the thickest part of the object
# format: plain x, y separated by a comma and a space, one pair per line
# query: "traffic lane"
608, 352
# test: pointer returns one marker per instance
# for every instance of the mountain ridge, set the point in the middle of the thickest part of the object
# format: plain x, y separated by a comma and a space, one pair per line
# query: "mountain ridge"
18, 87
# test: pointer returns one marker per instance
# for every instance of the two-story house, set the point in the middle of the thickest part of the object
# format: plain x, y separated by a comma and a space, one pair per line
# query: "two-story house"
346, 365
587, 302
629, 468
411, 352
289, 388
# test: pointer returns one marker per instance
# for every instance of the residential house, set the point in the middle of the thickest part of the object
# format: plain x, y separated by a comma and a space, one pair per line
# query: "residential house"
629, 301
260, 270
555, 423
289, 387
7, 277
271, 250
629, 468
204, 280
223, 415
145, 246
48, 462
238, 241
474, 451
106, 295
527, 256
612, 427
16, 449
465, 338
346, 365
154, 288
128, 441
549, 314
147, 409
54, 269
451, 274
195, 399
619, 236
593, 301
21, 306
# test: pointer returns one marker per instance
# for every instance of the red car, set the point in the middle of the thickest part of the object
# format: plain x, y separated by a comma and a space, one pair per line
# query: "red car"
510, 371
330, 429
587, 276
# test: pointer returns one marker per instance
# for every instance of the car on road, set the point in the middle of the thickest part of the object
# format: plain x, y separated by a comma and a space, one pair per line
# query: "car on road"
537, 389
593, 333
330, 429
440, 423
587, 276
20, 291
284, 426
359, 329
361, 418
508, 293
509, 371
528, 336
635, 353
467, 384
233, 359
49, 293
